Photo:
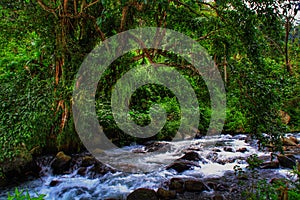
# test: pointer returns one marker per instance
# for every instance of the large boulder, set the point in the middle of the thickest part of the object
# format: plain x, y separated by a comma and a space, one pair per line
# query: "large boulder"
177, 184
142, 194
186, 162
60, 163
195, 186
166, 194
157, 146
191, 156
270, 165
288, 160
182, 165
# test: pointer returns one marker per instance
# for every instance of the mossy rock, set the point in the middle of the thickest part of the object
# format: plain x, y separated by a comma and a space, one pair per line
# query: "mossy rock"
20, 160
60, 163
19, 165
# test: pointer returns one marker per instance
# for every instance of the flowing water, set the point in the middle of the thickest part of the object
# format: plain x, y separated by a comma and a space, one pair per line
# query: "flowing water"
147, 170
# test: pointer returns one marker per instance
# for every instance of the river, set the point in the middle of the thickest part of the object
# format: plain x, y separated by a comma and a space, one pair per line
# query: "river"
219, 154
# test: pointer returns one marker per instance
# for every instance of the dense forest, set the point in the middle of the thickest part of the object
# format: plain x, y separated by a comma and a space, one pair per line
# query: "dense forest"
255, 45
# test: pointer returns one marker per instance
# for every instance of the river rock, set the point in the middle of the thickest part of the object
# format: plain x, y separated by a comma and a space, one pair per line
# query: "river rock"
195, 186
60, 163
166, 194
270, 165
224, 161
54, 183
100, 169
212, 156
191, 156
81, 171
228, 149
142, 194
182, 165
179, 166
288, 160
294, 139
289, 141
240, 137
177, 184
19, 168
88, 161
242, 150
138, 151
217, 186
216, 150
157, 146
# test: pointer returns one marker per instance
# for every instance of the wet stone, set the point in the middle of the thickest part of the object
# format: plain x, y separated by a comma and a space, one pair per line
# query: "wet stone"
54, 183
177, 185
143, 194
270, 165
229, 149
157, 146
81, 171
166, 194
88, 161
61, 163
216, 150
101, 169
182, 165
288, 160
291, 141
242, 150
195, 186
191, 156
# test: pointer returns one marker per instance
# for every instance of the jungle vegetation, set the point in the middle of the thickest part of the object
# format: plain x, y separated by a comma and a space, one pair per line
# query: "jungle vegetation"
255, 44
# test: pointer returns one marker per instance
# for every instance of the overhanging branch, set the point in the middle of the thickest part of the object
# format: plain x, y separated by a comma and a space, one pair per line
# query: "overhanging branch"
47, 8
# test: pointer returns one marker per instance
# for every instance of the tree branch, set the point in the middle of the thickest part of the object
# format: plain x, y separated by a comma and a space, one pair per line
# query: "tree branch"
89, 5
187, 6
47, 8
207, 35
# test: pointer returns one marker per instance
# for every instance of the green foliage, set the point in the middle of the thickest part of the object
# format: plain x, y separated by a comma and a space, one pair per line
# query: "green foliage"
235, 117
260, 189
43, 47
25, 103
22, 195
253, 162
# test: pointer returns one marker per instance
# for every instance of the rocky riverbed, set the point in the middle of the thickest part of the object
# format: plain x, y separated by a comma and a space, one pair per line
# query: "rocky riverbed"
200, 169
